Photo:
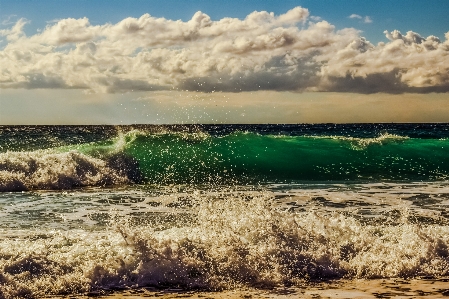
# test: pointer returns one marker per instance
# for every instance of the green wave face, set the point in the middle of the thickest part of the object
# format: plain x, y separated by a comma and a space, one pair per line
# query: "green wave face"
250, 157
65, 157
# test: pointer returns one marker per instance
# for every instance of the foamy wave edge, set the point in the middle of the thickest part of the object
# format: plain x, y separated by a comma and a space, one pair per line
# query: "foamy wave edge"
233, 243
362, 143
47, 169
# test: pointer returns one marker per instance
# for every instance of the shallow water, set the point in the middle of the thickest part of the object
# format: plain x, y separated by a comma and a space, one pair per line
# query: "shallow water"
358, 288
56, 242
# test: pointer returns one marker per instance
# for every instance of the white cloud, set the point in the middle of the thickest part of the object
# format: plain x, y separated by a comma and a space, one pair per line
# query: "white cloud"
16, 31
355, 16
367, 20
8, 20
261, 52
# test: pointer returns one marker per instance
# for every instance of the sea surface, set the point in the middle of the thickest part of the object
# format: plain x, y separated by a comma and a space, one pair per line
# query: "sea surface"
220, 207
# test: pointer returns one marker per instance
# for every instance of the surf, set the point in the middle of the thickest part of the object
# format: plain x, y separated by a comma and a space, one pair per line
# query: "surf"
234, 240
200, 155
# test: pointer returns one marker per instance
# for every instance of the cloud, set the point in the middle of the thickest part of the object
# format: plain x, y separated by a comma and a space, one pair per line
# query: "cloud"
8, 20
355, 16
16, 31
264, 51
366, 19
407, 63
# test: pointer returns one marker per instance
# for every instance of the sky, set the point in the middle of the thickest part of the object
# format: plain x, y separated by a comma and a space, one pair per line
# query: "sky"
315, 61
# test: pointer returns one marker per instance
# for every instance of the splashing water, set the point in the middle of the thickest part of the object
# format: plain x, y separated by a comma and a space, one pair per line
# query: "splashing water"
179, 157
217, 208
234, 239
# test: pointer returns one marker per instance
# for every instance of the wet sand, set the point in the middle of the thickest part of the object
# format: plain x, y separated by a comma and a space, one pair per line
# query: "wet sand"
377, 288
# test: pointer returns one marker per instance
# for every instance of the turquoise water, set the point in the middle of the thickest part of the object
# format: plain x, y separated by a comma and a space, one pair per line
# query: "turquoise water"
278, 158
221, 155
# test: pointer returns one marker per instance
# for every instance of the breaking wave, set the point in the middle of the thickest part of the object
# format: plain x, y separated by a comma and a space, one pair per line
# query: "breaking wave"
21, 171
167, 157
363, 143
230, 243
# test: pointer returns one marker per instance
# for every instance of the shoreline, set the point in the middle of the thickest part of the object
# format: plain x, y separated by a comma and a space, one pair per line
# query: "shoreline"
357, 288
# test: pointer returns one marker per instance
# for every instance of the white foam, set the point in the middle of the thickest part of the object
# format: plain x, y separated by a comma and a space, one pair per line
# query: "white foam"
237, 239
46, 169
363, 143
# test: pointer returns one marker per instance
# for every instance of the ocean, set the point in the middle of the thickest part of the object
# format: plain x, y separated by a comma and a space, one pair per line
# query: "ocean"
220, 207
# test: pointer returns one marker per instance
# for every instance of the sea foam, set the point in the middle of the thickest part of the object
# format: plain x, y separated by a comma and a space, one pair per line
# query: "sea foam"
233, 242
46, 169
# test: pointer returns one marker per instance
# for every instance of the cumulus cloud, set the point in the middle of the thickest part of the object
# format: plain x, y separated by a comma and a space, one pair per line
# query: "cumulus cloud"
15, 32
263, 51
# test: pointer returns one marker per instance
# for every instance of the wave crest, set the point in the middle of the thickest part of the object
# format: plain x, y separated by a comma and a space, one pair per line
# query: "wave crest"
47, 169
363, 143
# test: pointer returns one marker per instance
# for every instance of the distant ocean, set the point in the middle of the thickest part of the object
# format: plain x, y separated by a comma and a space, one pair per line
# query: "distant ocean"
214, 207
